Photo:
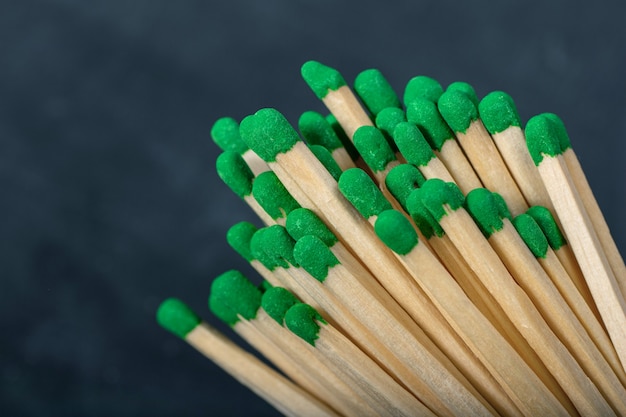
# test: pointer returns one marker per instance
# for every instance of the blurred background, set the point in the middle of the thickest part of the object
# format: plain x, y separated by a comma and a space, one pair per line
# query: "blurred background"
110, 200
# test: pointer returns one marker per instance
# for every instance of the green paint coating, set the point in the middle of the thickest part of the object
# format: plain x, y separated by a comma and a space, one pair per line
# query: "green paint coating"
503, 208
466, 89
387, 119
422, 217
422, 87
273, 247
362, 192
412, 144
225, 134
264, 286
302, 320
396, 231
316, 130
326, 158
402, 180
276, 301
321, 78
272, 195
268, 133
314, 256
436, 193
542, 138
177, 317
485, 210
375, 91
341, 134
457, 109
373, 147
425, 114
498, 112
532, 235
302, 222
233, 295
239, 237
235, 173
547, 223
564, 140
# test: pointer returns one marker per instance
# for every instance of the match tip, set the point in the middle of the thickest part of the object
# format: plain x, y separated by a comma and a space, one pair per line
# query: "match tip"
233, 296
272, 195
321, 78
412, 144
239, 237
276, 301
422, 217
425, 114
273, 247
422, 87
301, 222
395, 231
485, 210
176, 317
304, 321
235, 173
375, 91
532, 235
373, 147
268, 133
402, 180
466, 89
387, 119
225, 134
542, 138
435, 194
326, 158
457, 109
548, 225
362, 192
314, 256
316, 130
563, 136
498, 112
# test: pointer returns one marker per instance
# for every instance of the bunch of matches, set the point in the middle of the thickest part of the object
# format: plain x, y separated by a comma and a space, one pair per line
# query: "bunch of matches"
423, 255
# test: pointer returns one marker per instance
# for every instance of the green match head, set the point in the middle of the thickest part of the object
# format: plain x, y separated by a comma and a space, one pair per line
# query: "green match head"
302, 222
422, 217
388, 118
239, 237
422, 87
564, 140
548, 225
235, 173
435, 193
375, 91
177, 317
225, 134
503, 208
395, 231
304, 321
276, 301
531, 233
272, 195
268, 133
233, 296
457, 109
273, 247
466, 89
412, 144
321, 78
264, 286
317, 131
498, 112
326, 158
314, 256
425, 114
362, 192
542, 138
485, 210
343, 137
402, 180
373, 147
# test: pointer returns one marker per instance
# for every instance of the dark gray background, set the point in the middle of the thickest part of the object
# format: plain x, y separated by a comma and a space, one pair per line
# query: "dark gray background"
110, 201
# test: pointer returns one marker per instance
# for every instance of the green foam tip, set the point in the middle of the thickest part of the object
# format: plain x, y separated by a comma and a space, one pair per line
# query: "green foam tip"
316, 130
546, 221
225, 134
326, 158
273, 247
314, 256
375, 91
302, 222
531, 234
425, 114
402, 180
485, 210
563, 136
276, 301
304, 321
498, 112
422, 86
239, 237
466, 89
436, 193
362, 192
422, 217
457, 109
268, 133
235, 173
373, 147
412, 144
272, 195
503, 208
233, 296
321, 78
177, 317
387, 119
395, 231
542, 138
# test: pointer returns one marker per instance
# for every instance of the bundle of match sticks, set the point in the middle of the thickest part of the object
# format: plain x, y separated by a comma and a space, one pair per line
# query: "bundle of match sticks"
421, 258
